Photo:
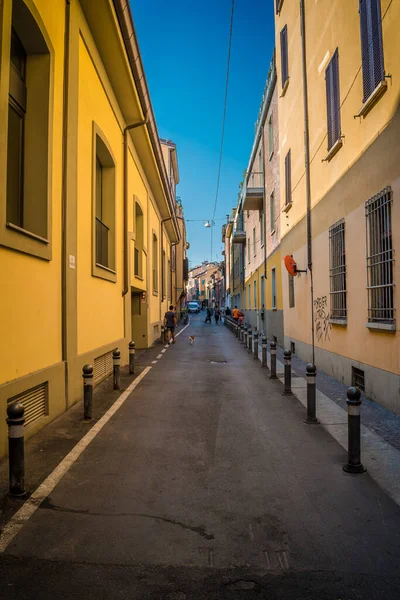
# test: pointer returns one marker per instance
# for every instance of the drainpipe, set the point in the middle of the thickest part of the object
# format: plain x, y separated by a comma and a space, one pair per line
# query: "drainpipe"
64, 353
126, 204
307, 167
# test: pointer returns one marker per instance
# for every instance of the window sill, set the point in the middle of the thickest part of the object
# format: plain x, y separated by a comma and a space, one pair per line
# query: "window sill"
271, 155
287, 207
155, 293
285, 87
340, 322
279, 7
139, 277
20, 239
272, 231
23, 231
274, 308
335, 148
373, 99
103, 272
381, 326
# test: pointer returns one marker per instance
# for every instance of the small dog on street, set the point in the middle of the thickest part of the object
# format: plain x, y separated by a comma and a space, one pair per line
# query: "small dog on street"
191, 339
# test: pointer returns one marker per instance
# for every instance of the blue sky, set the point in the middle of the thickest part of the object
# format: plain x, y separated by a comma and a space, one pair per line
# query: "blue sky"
184, 47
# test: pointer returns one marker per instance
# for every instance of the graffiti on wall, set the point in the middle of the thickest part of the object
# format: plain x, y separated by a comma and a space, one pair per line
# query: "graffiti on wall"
321, 319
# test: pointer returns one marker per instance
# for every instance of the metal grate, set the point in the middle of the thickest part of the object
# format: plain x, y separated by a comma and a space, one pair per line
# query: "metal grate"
357, 378
103, 366
35, 402
380, 258
337, 271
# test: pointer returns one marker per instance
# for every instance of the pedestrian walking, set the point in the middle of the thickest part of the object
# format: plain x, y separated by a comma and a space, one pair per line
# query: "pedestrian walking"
217, 314
227, 311
208, 316
170, 324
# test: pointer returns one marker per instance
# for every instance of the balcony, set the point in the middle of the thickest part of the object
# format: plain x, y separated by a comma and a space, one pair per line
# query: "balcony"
254, 195
239, 237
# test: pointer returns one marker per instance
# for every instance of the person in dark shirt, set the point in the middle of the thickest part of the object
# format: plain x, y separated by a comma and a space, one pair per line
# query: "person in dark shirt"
170, 322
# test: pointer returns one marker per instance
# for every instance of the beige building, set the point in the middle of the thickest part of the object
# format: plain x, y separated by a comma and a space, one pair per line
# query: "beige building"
339, 93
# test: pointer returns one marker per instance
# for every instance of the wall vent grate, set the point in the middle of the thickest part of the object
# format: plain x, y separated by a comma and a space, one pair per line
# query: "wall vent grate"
357, 378
35, 401
103, 367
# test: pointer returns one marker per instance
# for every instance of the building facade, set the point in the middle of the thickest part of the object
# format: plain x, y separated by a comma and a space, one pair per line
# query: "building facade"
339, 126
88, 215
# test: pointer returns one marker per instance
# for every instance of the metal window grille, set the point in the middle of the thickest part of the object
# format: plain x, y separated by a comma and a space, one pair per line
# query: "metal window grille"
337, 270
35, 401
371, 45
357, 378
278, 4
284, 56
288, 178
380, 258
291, 291
333, 100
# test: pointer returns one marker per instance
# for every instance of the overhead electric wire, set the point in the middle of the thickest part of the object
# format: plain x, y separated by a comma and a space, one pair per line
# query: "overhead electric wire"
225, 105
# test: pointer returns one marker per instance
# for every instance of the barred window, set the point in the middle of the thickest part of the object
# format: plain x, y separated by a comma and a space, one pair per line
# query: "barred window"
284, 56
371, 45
337, 271
380, 257
333, 100
288, 178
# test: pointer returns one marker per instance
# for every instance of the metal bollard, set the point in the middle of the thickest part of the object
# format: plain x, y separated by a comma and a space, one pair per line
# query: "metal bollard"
116, 369
354, 464
241, 334
288, 373
255, 344
245, 336
273, 360
132, 351
311, 418
16, 450
264, 352
250, 339
87, 374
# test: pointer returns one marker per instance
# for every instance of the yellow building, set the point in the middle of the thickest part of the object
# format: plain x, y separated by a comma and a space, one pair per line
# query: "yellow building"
88, 216
339, 93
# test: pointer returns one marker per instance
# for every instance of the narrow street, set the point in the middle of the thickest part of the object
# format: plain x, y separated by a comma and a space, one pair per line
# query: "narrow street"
207, 484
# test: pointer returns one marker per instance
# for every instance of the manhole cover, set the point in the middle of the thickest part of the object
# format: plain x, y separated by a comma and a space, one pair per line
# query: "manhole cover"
218, 362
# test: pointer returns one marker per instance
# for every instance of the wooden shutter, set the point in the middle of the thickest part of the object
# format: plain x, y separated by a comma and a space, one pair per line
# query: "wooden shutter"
284, 56
371, 45
288, 178
333, 100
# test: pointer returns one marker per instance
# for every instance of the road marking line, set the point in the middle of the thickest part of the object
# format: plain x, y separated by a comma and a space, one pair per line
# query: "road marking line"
153, 362
267, 561
159, 356
15, 524
163, 350
182, 330
283, 559
167, 346
251, 534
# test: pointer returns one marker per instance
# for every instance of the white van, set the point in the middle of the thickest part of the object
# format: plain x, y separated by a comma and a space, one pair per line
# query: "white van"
193, 307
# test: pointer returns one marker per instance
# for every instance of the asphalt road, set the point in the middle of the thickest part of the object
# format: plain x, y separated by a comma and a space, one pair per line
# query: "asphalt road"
207, 484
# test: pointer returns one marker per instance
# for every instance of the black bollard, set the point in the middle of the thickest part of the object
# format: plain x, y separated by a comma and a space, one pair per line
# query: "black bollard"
288, 373
116, 369
354, 464
87, 374
264, 363
245, 334
311, 418
241, 334
255, 344
16, 449
132, 351
273, 360
250, 339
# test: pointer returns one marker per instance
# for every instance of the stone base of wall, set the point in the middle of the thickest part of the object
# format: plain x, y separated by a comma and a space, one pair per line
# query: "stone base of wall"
381, 386
271, 325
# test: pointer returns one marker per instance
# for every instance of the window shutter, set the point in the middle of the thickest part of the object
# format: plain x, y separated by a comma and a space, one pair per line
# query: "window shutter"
288, 178
284, 56
371, 45
333, 100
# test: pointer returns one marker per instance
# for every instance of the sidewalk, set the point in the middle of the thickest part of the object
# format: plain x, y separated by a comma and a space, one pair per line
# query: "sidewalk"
380, 428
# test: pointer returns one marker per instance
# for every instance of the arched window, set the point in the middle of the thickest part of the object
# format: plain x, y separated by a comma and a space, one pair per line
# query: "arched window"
155, 263
138, 260
28, 145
